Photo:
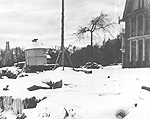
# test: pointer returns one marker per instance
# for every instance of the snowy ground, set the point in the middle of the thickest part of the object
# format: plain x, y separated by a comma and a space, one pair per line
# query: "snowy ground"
100, 95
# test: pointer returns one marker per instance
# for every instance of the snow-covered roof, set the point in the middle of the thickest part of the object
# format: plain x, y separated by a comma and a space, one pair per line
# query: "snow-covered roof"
35, 45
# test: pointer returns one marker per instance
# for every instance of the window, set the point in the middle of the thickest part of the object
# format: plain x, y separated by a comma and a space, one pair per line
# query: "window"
147, 24
133, 26
140, 25
147, 51
127, 32
140, 3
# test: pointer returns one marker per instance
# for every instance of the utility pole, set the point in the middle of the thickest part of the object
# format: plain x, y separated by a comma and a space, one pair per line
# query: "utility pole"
62, 37
61, 55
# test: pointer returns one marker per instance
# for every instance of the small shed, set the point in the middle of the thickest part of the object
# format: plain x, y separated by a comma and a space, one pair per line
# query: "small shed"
35, 54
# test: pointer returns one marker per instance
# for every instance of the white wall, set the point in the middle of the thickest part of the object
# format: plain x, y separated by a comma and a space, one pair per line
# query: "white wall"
36, 57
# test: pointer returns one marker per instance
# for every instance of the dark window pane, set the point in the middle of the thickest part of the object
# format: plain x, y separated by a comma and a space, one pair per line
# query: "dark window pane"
140, 25
147, 24
133, 26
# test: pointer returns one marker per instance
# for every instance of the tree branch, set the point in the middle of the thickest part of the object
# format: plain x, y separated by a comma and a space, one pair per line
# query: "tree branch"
101, 22
81, 31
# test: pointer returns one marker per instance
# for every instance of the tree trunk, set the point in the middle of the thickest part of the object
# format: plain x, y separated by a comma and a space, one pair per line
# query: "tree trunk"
91, 46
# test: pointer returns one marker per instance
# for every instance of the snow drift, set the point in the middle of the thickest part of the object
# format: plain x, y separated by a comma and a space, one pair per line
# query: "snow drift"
108, 93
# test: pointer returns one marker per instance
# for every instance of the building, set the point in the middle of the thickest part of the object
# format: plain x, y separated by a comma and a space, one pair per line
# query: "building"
136, 40
35, 54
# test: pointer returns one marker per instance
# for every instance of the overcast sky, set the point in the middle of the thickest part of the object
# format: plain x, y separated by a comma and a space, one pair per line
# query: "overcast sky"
24, 20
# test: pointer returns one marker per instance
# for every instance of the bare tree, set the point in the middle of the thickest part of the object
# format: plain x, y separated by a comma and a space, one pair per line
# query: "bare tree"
99, 23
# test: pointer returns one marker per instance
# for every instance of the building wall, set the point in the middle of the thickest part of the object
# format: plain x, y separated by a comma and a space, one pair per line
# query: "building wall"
137, 36
137, 52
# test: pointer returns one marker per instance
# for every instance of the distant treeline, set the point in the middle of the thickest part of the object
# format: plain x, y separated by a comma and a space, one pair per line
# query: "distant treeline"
8, 58
105, 54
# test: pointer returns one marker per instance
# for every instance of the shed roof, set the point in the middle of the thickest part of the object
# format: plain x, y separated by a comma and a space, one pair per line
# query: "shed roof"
35, 45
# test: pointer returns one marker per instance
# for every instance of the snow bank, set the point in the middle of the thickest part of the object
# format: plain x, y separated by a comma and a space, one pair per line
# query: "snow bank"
99, 95
83, 106
142, 111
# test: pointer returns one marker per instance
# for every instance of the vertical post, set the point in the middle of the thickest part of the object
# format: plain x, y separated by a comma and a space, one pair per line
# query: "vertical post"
137, 50
130, 57
143, 49
143, 34
62, 37
123, 46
